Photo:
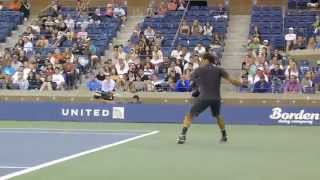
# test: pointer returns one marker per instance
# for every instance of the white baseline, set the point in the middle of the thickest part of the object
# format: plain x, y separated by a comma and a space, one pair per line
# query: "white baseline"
50, 163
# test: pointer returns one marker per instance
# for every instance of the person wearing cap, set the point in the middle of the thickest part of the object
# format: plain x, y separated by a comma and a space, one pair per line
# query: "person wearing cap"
260, 73
290, 39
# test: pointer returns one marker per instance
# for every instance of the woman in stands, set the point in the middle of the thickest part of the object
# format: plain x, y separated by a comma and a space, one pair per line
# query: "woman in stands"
185, 29
162, 9
25, 8
196, 28
207, 29
292, 69
312, 43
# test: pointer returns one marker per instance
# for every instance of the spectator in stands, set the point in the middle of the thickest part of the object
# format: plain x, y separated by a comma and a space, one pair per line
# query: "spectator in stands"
20, 82
34, 81
207, 29
15, 5
316, 25
109, 10
185, 29
122, 67
150, 10
69, 23
292, 70
312, 43
261, 86
255, 77
290, 39
93, 84
183, 84
25, 8
27, 46
256, 32
300, 43
200, 49
149, 33
1, 6
42, 42
58, 79
292, 85
162, 9
47, 83
307, 83
313, 3
196, 28
108, 85
172, 5
120, 13
177, 52
157, 58
254, 45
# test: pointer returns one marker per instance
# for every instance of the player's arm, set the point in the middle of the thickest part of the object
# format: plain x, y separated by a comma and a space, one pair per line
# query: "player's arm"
230, 79
194, 84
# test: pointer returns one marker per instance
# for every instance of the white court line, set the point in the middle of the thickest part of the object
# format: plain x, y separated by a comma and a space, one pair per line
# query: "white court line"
50, 163
65, 132
13, 167
78, 130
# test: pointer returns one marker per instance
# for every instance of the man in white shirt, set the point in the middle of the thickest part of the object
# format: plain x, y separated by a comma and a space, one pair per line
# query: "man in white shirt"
28, 46
176, 53
200, 49
20, 82
69, 23
108, 84
58, 78
290, 38
149, 33
122, 67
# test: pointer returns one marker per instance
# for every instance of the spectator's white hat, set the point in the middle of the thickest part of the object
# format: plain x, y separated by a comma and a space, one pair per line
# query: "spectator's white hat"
265, 41
291, 28
261, 68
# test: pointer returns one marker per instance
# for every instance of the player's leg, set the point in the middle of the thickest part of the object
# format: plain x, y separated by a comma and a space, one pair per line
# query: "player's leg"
215, 110
198, 107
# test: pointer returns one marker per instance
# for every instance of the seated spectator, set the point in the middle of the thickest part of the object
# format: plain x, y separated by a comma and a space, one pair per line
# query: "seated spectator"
312, 43
150, 11
254, 45
157, 58
149, 33
290, 38
58, 79
292, 70
162, 9
20, 82
274, 63
42, 42
316, 25
292, 85
185, 29
185, 55
120, 13
172, 5
260, 73
261, 86
138, 85
158, 40
300, 43
183, 84
256, 32
27, 46
93, 84
277, 78
122, 67
207, 29
177, 52
15, 5
69, 23
313, 3
307, 82
47, 84
108, 85
196, 28
34, 81
200, 49
57, 57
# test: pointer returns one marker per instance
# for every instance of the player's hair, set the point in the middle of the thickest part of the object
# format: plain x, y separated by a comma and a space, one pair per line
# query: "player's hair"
209, 57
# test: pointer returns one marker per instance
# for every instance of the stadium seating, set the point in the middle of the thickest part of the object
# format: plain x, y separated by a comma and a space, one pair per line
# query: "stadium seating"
270, 22
169, 24
8, 22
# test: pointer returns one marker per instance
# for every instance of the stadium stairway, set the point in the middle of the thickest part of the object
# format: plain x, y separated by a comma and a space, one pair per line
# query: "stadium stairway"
13, 39
237, 37
125, 33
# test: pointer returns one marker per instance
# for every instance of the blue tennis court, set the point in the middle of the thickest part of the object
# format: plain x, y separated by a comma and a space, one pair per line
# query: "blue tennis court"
28, 149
